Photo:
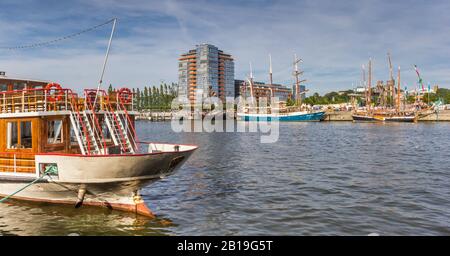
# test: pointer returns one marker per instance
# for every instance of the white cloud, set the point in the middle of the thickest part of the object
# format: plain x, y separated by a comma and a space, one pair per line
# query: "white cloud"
332, 37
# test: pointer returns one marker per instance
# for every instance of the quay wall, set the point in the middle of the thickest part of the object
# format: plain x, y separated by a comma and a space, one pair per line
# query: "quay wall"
441, 116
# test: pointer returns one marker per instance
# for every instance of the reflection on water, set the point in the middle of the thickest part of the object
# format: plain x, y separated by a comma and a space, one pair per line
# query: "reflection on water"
23, 218
318, 179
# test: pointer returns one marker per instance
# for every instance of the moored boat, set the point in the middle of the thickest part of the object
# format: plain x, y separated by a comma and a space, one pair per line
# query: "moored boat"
57, 147
292, 116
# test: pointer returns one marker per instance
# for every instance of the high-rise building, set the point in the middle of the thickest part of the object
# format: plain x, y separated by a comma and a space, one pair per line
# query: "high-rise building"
206, 70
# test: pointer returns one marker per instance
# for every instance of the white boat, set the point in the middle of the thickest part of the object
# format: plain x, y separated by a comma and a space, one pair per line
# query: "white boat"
57, 147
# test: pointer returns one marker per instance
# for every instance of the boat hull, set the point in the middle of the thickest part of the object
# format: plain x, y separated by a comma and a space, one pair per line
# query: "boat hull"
290, 117
105, 195
381, 118
363, 118
111, 181
402, 119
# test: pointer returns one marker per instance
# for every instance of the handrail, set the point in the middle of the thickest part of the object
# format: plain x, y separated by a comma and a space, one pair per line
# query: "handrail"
110, 110
88, 100
135, 138
80, 120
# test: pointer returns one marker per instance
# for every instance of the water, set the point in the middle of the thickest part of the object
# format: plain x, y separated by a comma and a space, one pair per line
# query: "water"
318, 179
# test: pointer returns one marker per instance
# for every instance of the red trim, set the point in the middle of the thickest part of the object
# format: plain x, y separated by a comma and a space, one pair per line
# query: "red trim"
139, 208
109, 155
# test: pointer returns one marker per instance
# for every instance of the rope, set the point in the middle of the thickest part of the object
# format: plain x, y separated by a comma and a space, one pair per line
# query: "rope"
49, 170
41, 44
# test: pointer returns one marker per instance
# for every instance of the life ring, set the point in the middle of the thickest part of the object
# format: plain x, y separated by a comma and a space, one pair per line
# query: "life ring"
91, 96
125, 95
57, 96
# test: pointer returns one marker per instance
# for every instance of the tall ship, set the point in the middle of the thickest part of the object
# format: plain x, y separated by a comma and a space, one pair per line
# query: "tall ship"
276, 111
60, 147
391, 104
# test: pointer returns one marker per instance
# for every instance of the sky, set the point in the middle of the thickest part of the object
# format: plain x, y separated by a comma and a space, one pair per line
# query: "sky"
333, 38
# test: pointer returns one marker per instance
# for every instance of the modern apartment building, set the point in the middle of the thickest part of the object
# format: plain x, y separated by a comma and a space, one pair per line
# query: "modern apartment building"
206, 70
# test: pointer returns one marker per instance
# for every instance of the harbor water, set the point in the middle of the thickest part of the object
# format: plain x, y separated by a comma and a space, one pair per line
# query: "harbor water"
323, 178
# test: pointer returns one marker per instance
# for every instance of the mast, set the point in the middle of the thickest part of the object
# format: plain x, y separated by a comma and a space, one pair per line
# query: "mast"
251, 83
391, 77
369, 96
297, 81
363, 69
270, 74
398, 90
105, 60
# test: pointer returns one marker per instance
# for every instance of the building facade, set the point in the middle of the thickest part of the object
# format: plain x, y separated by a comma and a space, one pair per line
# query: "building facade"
261, 89
302, 92
207, 71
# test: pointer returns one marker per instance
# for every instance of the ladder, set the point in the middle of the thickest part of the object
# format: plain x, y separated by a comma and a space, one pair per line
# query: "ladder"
88, 142
118, 131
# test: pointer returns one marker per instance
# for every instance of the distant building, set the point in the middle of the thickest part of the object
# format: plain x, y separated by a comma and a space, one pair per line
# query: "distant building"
261, 89
206, 70
302, 90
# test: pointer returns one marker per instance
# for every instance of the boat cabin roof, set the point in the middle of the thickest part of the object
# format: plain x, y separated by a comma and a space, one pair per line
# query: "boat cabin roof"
15, 83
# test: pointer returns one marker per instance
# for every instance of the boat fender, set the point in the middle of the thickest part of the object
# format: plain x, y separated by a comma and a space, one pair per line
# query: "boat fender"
81, 194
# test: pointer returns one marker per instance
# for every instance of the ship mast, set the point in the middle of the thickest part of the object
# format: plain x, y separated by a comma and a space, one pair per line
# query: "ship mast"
270, 75
398, 90
369, 96
297, 81
391, 77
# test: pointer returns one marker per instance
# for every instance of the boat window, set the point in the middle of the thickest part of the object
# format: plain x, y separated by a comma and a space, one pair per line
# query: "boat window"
55, 132
12, 135
18, 138
25, 134
19, 86
3, 87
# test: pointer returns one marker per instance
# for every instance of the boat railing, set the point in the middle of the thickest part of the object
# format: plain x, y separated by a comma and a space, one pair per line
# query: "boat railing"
44, 100
17, 163
92, 104
121, 105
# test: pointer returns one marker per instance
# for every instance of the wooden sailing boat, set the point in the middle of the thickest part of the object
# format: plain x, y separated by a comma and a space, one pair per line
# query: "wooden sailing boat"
384, 112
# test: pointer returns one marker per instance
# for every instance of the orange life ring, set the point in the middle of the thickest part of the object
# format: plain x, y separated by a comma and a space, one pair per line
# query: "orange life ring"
90, 96
125, 95
57, 96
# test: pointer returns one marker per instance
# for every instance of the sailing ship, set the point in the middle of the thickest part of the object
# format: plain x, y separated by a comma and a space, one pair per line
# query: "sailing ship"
384, 111
278, 111
58, 147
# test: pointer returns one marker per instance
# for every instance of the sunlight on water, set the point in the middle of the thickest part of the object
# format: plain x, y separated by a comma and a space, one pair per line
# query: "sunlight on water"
318, 179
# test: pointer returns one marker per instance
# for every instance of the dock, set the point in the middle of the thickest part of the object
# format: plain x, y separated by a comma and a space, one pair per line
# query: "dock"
155, 116
441, 116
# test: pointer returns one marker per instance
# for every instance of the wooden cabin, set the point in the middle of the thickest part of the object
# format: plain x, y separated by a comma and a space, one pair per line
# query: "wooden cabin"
35, 118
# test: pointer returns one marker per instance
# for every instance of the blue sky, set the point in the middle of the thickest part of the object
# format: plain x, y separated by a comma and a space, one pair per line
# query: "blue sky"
334, 38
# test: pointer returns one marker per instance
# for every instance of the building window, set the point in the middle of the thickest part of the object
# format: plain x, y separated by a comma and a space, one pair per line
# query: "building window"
19, 138
54, 132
